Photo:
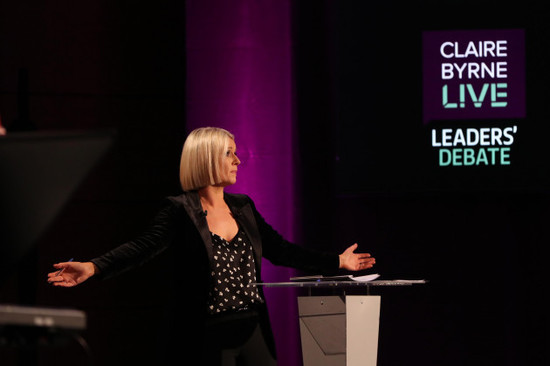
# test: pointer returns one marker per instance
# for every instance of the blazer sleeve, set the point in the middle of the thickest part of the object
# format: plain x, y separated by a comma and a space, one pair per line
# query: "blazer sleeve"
154, 240
280, 251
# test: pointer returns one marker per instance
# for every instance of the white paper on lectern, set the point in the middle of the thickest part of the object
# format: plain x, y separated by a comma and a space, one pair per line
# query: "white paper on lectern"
321, 278
318, 278
366, 278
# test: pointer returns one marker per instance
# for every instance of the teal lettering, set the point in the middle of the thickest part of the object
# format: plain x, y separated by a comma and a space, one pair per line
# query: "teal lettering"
469, 157
495, 95
482, 157
445, 97
444, 157
477, 100
505, 156
493, 150
457, 157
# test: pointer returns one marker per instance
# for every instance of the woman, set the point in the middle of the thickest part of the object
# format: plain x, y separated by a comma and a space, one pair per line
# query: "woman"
220, 239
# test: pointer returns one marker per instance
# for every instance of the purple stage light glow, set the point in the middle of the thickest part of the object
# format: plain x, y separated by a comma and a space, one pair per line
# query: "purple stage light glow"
239, 77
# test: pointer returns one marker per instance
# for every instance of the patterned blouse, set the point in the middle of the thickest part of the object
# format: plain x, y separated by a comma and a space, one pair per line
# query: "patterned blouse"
234, 269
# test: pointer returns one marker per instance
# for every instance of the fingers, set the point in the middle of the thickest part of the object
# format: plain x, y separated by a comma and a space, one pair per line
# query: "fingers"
52, 275
351, 249
56, 281
56, 278
367, 264
367, 259
60, 280
62, 283
364, 261
62, 265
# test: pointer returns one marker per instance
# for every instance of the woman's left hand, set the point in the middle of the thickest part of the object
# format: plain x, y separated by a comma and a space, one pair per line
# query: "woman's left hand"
355, 261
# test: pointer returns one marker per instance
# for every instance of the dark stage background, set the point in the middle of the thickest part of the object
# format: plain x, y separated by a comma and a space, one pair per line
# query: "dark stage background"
93, 66
480, 241
478, 234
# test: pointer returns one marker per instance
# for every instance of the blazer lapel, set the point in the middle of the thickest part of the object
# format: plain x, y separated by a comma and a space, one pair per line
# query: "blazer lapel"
192, 204
243, 213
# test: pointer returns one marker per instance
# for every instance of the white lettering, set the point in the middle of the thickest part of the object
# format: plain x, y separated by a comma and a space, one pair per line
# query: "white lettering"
442, 50
474, 70
471, 49
494, 136
472, 136
446, 137
484, 136
447, 71
434, 139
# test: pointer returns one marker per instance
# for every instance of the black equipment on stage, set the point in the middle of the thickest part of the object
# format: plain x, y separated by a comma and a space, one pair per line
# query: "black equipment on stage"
38, 173
33, 316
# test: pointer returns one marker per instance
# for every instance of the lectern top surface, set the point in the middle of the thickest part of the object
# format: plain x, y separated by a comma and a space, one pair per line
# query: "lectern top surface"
341, 283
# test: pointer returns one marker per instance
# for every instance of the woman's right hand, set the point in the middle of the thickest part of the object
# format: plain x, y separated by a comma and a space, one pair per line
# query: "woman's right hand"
69, 274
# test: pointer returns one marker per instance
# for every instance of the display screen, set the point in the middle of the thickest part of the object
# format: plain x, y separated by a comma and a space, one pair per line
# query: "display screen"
421, 106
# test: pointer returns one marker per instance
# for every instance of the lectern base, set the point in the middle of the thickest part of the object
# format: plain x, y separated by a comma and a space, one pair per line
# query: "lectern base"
338, 332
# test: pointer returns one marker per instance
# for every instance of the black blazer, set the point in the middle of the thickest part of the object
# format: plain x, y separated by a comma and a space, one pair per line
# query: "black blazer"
181, 227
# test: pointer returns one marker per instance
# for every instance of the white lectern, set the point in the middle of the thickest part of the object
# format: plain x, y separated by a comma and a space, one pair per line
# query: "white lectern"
340, 330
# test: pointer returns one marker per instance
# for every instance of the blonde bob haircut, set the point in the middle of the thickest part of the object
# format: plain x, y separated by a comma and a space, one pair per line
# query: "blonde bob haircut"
201, 157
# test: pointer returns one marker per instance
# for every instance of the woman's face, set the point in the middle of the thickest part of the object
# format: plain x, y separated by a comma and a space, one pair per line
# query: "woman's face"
230, 162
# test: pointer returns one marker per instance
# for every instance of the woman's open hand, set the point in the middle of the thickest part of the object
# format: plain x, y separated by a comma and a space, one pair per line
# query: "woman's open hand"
70, 274
355, 261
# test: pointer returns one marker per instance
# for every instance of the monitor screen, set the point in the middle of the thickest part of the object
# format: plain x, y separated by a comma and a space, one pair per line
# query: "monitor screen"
453, 100
39, 171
